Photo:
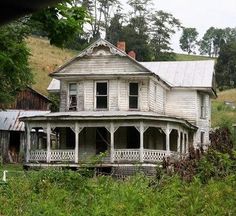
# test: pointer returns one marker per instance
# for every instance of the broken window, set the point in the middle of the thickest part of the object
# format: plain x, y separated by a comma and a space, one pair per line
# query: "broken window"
203, 106
101, 95
133, 95
73, 96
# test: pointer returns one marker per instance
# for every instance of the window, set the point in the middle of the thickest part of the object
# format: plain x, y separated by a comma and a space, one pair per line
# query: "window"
202, 138
72, 96
133, 95
202, 106
101, 95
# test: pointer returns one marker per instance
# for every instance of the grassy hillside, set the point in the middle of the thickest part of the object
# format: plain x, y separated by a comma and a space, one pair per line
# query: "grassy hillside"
185, 57
223, 115
44, 59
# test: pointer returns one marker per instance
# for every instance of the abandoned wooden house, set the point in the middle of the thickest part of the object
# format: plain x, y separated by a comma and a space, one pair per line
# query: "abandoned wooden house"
12, 131
133, 112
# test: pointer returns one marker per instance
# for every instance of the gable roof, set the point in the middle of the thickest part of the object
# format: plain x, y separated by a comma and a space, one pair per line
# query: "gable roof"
195, 74
92, 52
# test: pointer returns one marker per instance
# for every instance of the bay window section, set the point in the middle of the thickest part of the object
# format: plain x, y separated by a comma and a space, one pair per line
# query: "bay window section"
72, 96
133, 95
101, 95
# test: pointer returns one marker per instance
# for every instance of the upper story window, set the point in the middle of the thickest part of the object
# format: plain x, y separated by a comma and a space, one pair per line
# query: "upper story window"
73, 96
101, 95
133, 95
202, 107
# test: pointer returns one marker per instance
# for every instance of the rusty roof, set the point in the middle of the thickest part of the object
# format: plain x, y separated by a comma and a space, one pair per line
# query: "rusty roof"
9, 119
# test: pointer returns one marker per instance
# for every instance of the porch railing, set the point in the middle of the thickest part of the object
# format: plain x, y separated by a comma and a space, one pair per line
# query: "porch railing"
38, 155
153, 155
62, 155
126, 155
119, 155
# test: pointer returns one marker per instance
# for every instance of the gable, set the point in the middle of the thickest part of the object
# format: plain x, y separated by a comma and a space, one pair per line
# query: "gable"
101, 64
100, 58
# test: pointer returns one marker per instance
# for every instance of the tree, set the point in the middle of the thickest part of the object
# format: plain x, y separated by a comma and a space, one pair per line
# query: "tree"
163, 26
212, 41
188, 40
226, 66
15, 73
60, 23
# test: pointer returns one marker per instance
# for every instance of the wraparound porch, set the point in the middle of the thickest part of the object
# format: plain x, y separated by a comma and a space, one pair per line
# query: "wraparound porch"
134, 141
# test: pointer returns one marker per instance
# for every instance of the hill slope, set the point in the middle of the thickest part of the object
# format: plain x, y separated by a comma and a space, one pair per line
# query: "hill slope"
224, 115
44, 59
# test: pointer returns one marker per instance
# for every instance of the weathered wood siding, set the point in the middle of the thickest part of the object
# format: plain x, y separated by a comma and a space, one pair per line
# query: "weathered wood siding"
63, 96
89, 99
28, 99
203, 123
118, 95
103, 64
156, 97
182, 103
4, 145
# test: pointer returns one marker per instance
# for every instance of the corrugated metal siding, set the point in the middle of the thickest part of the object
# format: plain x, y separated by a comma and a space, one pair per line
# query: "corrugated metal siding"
9, 119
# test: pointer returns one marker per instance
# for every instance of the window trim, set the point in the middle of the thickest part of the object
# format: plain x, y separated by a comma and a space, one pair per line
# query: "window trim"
95, 94
202, 107
133, 96
68, 96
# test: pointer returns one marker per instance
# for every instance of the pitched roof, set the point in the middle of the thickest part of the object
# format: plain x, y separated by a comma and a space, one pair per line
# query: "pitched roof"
9, 119
195, 74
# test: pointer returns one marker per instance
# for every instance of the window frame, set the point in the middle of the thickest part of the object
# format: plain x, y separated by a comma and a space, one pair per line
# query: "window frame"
95, 95
133, 96
202, 138
202, 106
76, 96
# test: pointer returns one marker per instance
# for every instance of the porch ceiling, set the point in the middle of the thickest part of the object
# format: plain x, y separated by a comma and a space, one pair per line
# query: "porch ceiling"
108, 115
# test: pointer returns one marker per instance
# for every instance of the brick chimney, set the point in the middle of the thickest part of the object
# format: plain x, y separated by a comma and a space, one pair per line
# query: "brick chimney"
121, 45
132, 54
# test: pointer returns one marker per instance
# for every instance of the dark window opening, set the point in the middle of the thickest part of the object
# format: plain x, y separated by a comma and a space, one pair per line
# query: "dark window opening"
101, 95
133, 95
14, 146
202, 138
73, 96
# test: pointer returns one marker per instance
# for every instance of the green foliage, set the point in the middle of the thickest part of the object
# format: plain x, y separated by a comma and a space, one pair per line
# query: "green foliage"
58, 192
15, 73
226, 65
188, 40
55, 101
61, 23
163, 26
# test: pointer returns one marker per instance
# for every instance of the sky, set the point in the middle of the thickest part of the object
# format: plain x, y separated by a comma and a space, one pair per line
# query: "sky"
200, 14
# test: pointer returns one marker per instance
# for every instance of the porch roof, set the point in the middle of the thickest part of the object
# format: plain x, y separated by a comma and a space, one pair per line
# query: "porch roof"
108, 115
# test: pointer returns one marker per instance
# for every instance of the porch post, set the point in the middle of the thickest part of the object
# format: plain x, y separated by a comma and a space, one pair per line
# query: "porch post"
27, 142
178, 145
76, 142
141, 131
112, 142
184, 143
187, 144
48, 142
168, 139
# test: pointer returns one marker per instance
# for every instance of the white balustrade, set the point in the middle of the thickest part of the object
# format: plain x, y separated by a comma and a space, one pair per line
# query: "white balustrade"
126, 155
38, 155
62, 155
150, 155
